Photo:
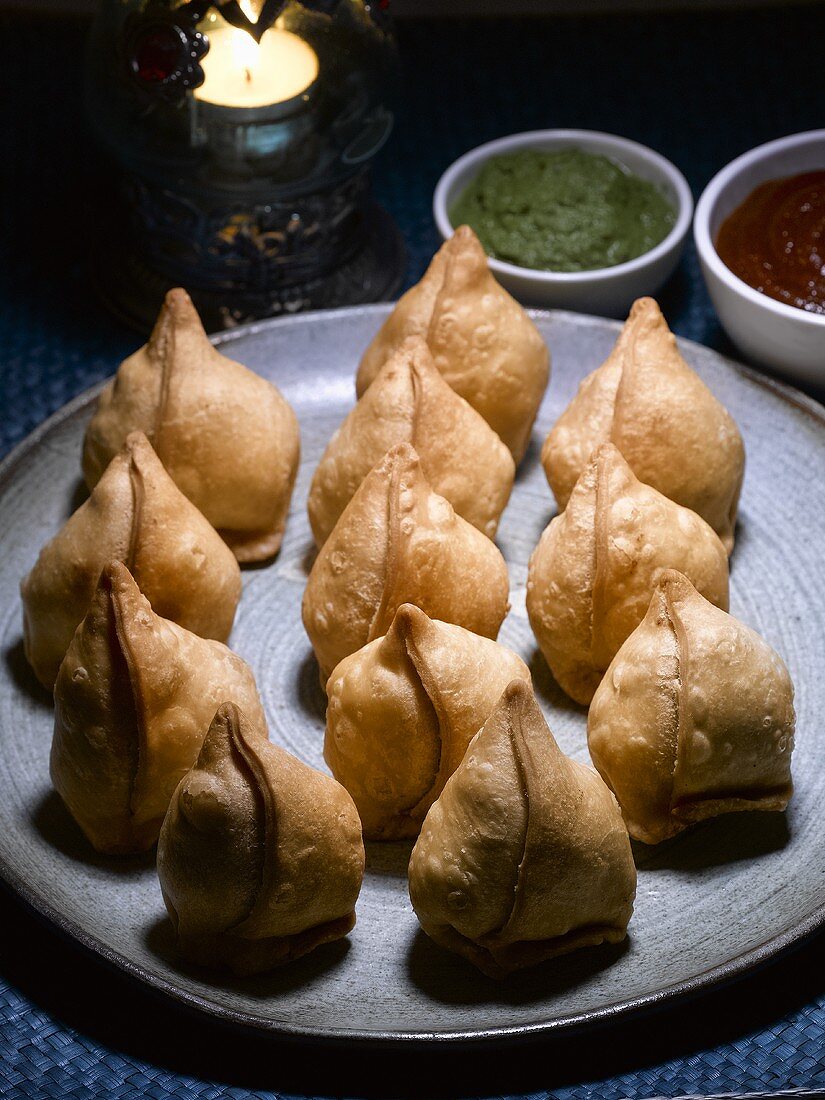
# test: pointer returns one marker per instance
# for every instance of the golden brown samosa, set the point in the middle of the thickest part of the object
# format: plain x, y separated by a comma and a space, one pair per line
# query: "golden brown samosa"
227, 437
525, 855
481, 339
260, 857
133, 701
591, 576
409, 402
402, 711
399, 542
693, 718
671, 430
137, 515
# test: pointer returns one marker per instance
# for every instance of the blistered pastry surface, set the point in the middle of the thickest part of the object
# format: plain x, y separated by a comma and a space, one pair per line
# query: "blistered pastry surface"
483, 342
225, 435
745, 880
525, 855
694, 717
673, 432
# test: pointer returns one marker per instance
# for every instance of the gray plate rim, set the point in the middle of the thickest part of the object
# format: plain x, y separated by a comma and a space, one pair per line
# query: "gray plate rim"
725, 972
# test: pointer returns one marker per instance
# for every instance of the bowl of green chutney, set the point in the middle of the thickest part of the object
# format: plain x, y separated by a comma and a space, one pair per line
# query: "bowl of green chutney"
571, 219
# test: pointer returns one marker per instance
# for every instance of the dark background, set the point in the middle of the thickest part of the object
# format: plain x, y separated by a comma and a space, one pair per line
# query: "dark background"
700, 88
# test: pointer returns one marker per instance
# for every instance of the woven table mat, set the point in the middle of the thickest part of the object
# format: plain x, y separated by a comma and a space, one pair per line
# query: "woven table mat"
785, 1094
69, 1026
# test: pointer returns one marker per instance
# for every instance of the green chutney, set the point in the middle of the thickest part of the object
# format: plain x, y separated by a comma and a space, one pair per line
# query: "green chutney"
563, 210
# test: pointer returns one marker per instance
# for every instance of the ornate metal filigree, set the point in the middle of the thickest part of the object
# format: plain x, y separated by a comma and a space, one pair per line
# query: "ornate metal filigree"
260, 247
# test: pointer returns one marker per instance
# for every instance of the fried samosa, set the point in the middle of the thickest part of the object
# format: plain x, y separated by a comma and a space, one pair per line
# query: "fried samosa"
671, 430
481, 339
409, 402
402, 711
260, 857
133, 701
399, 542
227, 437
525, 855
591, 576
693, 718
137, 515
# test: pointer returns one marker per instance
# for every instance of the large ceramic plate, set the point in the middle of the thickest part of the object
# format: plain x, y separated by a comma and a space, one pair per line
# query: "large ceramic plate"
711, 904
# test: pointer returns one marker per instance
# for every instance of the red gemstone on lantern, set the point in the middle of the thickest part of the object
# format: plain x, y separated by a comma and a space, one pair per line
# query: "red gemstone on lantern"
157, 54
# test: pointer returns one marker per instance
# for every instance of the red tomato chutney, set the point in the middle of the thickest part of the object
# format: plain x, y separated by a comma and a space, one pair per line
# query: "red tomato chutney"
775, 241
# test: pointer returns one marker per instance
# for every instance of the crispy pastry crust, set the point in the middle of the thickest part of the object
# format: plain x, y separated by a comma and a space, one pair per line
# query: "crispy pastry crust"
137, 515
402, 711
409, 402
260, 857
669, 427
481, 339
227, 437
133, 701
591, 575
693, 718
399, 542
525, 855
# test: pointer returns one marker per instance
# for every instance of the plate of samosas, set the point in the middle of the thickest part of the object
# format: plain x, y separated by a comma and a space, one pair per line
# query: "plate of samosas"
359, 683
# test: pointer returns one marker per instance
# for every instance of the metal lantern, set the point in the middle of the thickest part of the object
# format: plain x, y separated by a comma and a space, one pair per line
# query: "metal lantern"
244, 132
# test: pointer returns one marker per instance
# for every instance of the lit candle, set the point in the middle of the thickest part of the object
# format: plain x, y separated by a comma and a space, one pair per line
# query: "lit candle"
240, 73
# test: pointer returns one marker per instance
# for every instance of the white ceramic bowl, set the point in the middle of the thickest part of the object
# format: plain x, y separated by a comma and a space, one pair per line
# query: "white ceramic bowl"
609, 291
789, 340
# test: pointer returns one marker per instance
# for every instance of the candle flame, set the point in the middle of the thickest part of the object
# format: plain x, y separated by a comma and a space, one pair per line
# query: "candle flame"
241, 73
246, 52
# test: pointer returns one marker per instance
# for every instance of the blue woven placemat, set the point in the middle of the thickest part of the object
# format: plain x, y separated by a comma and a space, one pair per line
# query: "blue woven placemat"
700, 88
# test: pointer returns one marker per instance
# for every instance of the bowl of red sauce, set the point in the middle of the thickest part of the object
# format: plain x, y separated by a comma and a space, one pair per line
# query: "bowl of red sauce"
760, 234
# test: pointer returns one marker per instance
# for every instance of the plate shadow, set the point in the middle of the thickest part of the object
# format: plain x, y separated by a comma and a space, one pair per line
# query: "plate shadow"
159, 938
308, 558
531, 458
388, 858
452, 980
547, 689
24, 677
729, 838
59, 829
79, 495
312, 698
